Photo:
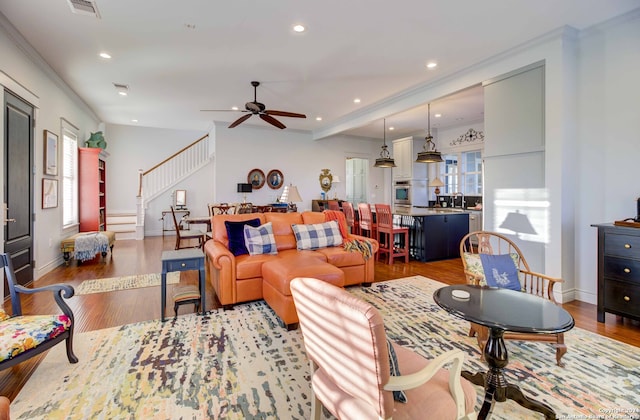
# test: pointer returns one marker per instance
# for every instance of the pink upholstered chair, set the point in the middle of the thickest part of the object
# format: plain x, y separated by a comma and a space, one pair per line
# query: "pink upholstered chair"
346, 344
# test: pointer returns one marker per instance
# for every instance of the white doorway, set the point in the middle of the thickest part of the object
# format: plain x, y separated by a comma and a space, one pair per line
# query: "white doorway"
357, 180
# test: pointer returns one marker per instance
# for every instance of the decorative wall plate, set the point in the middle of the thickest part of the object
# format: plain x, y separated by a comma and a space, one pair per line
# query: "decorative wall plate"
255, 178
275, 179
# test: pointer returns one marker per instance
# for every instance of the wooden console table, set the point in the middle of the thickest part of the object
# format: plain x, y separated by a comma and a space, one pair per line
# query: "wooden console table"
183, 212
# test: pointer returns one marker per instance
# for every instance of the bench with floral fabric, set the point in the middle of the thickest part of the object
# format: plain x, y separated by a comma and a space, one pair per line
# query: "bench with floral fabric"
24, 336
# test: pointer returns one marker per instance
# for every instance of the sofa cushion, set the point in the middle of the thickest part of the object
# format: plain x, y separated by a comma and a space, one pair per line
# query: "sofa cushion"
22, 333
235, 233
260, 240
315, 236
338, 256
281, 224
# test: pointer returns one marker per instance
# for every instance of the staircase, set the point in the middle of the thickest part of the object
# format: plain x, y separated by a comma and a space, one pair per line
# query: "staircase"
162, 177
123, 225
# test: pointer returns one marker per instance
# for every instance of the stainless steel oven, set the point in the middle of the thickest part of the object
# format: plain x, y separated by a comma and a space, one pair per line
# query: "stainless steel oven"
410, 193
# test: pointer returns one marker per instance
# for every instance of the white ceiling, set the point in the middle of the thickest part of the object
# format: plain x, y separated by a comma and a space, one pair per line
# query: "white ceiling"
179, 57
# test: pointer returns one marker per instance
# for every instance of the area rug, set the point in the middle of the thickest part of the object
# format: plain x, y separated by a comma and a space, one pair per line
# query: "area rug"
241, 364
125, 282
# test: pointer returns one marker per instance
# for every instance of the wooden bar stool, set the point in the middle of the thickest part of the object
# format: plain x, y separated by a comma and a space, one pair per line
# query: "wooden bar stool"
186, 294
387, 232
366, 223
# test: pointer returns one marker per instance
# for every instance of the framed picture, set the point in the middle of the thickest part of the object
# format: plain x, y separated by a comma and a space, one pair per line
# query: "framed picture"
255, 178
49, 193
275, 179
50, 153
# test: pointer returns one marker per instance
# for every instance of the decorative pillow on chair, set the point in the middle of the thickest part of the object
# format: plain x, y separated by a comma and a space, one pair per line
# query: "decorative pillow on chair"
235, 232
260, 240
474, 265
394, 368
319, 235
500, 271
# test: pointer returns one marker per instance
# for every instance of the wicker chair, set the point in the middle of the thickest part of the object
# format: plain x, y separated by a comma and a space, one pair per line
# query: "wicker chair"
483, 242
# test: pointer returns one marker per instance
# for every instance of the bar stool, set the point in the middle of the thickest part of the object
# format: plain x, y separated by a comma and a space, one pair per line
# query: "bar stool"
367, 225
350, 216
387, 232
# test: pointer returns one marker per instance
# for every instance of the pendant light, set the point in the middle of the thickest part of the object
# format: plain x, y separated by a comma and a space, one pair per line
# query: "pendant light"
385, 160
429, 154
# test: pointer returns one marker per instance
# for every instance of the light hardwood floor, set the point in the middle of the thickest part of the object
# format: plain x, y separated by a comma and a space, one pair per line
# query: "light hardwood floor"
106, 310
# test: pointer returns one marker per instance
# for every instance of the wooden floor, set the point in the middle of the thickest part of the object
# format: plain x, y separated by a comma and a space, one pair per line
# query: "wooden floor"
97, 311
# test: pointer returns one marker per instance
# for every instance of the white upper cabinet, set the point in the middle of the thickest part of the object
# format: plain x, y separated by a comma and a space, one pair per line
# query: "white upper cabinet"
405, 151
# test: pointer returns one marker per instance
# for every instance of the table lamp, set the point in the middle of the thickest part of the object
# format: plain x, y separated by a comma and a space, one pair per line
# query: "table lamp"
336, 180
291, 195
245, 188
437, 183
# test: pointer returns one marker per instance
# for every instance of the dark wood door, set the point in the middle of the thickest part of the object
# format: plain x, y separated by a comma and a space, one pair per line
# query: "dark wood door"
18, 186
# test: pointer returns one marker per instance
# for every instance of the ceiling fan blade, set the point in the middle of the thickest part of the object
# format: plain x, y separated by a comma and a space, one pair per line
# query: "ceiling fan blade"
272, 121
240, 120
221, 110
284, 113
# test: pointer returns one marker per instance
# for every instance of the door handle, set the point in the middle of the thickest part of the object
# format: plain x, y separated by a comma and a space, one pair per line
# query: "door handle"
6, 219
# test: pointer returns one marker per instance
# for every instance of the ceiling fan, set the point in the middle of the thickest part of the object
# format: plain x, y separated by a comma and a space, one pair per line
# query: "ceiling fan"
258, 108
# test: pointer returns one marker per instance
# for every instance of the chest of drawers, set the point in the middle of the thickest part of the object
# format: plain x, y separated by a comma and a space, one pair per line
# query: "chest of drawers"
618, 271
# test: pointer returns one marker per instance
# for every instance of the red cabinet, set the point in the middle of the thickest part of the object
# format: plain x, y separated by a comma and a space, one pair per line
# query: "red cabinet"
92, 189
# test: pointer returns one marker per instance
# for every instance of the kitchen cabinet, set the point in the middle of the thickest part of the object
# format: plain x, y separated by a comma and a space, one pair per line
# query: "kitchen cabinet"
618, 271
434, 235
405, 151
92, 190
475, 220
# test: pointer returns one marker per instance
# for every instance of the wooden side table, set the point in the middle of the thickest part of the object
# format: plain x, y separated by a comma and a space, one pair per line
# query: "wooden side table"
182, 260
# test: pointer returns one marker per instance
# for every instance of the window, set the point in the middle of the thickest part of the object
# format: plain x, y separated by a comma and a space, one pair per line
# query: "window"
69, 176
462, 172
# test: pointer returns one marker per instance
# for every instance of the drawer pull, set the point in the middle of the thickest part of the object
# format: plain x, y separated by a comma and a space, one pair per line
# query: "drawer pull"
628, 246
183, 265
627, 298
626, 270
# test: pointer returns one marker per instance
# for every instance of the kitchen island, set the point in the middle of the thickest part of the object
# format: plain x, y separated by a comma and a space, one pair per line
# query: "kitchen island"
434, 234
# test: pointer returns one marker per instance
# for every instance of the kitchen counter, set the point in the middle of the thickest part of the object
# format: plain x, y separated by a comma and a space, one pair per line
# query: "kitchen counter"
434, 234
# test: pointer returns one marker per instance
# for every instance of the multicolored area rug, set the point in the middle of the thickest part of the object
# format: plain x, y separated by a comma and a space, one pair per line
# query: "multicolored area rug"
125, 282
241, 364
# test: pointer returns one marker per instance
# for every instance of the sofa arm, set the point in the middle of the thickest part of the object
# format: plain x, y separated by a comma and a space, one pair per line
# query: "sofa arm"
222, 271
219, 255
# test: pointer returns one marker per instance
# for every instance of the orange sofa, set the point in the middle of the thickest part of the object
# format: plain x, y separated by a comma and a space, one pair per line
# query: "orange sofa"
241, 279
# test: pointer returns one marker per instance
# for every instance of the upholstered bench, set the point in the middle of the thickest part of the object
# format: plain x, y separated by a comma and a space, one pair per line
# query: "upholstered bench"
67, 246
277, 275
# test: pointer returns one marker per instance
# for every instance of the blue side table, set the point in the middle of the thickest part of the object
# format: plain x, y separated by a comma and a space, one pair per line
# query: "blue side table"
182, 260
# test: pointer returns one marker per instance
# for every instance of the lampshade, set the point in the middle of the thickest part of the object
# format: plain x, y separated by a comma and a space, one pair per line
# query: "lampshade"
245, 188
385, 160
290, 194
336, 179
429, 154
436, 182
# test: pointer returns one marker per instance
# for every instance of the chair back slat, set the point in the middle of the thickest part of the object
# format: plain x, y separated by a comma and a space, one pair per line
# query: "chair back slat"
349, 214
334, 205
366, 218
384, 218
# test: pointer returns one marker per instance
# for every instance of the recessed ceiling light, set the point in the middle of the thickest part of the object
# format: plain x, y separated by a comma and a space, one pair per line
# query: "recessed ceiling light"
318, 118
438, 115
234, 108
122, 89
356, 101
122, 93
432, 65
299, 28
134, 120
105, 55
391, 128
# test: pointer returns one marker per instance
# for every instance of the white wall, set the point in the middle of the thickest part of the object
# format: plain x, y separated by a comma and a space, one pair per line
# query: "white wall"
608, 173
53, 101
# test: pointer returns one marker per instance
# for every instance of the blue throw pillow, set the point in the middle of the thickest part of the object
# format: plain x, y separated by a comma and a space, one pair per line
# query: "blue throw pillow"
235, 232
399, 396
319, 235
500, 271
